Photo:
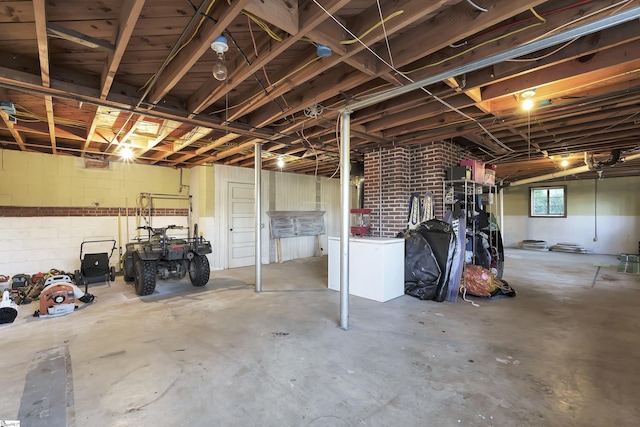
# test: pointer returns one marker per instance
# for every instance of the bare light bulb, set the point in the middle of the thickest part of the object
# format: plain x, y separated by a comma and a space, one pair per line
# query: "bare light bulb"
126, 153
220, 46
219, 71
564, 163
280, 162
527, 104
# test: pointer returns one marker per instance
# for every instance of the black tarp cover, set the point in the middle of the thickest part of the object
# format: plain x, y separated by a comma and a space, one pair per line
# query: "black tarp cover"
421, 270
429, 251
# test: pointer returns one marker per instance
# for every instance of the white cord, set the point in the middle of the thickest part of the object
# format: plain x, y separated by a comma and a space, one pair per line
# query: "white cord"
464, 297
338, 142
544, 56
312, 148
620, 3
384, 29
481, 9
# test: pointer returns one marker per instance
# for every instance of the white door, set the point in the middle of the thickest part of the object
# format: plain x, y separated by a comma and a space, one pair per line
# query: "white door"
241, 224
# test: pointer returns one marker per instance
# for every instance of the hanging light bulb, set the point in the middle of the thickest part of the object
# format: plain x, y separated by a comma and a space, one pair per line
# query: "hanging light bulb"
220, 46
126, 153
280, 162
526, 97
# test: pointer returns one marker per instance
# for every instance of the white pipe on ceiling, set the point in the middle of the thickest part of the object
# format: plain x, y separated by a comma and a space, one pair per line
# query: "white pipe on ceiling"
560, 174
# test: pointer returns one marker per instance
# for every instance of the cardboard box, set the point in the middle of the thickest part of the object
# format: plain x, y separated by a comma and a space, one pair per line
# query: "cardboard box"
456, 173
489, 177
477, 167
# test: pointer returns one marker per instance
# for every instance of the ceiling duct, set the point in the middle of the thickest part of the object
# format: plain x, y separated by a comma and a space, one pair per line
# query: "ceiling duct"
615, 158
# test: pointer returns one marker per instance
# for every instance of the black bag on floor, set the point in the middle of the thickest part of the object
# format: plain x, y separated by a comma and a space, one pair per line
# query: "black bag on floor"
442, 241
421, 270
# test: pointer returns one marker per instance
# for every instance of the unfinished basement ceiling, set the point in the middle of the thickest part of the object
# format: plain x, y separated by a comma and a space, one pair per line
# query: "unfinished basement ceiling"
89, 78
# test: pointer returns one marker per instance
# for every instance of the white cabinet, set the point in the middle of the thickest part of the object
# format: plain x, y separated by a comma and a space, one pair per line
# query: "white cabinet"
376, 267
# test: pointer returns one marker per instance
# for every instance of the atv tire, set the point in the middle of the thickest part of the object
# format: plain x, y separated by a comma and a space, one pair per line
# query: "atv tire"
199, 270
145, 277
126, 267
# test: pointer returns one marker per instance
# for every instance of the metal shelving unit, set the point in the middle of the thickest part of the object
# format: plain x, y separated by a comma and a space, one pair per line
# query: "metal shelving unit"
462, 190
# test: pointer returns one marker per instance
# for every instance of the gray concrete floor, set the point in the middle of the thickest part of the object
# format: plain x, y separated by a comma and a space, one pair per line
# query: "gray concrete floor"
562, 353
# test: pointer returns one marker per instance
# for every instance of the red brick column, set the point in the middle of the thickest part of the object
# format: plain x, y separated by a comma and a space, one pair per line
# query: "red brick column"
386, 189
391, 175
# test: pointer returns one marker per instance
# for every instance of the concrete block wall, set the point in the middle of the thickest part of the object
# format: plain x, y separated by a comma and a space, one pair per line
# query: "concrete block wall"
391, 175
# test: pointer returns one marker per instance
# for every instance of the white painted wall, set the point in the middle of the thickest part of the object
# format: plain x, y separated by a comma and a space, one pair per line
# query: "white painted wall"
32, 244
614, 230
280, 191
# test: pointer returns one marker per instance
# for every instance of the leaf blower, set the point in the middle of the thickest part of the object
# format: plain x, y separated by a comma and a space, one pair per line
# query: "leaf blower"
59, 297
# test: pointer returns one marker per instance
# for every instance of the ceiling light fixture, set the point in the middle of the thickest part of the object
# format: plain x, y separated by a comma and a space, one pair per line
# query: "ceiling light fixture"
280, 162
220, 46
323, 51
126, 153
526, 98
564, 163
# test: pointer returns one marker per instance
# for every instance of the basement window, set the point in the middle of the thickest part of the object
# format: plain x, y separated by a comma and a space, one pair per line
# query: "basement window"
549, 202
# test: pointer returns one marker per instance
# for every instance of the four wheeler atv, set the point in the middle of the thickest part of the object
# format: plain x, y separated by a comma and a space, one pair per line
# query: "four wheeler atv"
165, 256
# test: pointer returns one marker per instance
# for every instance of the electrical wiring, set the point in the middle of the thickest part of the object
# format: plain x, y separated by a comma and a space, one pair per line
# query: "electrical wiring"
264, 70
512, 24
357, 39
471, 49
619, 4
338, 143
437, 98
312, 148
384, 30
261, 24
26, 116
564, 140
297, 70
544, 56
481, 9
183, 45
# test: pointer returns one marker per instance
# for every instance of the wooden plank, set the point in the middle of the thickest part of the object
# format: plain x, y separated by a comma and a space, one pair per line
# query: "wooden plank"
16, 11
76, 37
191, 53
209, 93
14, 132
281, 13
43, 54
128, 17
279, 246
296, 223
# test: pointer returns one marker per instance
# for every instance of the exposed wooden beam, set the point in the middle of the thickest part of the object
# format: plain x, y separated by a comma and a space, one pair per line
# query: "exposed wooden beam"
43, 55
55, 30
191, 53
129, 13
485, 142
210, 91
190, 137
16, 135
414, 11
281, 13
